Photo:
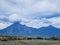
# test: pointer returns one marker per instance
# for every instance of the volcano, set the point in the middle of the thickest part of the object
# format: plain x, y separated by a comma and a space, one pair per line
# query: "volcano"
18, 29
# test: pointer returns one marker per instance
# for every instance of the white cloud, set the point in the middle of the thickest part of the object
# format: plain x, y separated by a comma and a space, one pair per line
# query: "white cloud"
44, 7
44, 22
35, 23
8, 7
4, 22
14, 17
55, 22
4, 25
29, 7
26, 10
2, 17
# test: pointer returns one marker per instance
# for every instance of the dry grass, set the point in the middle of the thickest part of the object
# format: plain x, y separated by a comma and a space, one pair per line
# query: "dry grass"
30, 42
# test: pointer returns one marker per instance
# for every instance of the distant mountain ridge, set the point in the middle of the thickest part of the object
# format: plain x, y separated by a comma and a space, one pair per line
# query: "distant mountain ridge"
17, 29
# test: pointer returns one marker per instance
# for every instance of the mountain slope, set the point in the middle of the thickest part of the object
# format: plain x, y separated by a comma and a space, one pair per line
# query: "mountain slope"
16, 29
21, 30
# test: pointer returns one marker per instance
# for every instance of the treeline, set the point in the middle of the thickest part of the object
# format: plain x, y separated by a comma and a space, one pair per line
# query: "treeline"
53, 38
6, 38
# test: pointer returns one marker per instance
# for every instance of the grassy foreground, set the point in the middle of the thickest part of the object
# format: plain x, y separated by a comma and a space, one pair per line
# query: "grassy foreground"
30, 42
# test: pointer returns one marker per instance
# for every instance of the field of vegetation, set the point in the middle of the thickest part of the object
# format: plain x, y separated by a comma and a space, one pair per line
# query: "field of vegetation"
14, 40
30, 42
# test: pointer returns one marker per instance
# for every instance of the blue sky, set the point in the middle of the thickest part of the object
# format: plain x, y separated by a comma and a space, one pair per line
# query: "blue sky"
32, 13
